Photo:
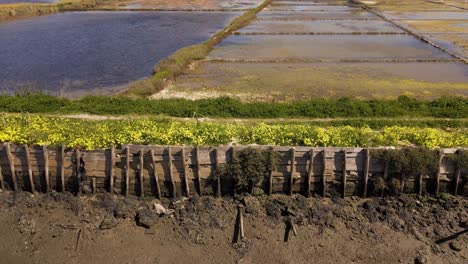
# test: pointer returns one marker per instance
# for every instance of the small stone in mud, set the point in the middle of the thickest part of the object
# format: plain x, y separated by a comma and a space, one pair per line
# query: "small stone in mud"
121, 211
108, 222
455, 245
147, 218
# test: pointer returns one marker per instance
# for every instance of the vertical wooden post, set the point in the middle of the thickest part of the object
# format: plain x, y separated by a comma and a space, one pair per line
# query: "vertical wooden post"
310, 173
62, 168
171, 175
94, 184
142, 164
127, 170
218, 177
343, 179
420, 182
197, 158
184, 171
111, 169
45, 153
366, 171
458, 174
12, 166
2, 180
324, 173
293, 170
437, 185
155, 174
28, 164
77, 170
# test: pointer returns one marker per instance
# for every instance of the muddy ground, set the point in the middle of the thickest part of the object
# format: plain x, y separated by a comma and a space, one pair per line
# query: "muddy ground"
58, 228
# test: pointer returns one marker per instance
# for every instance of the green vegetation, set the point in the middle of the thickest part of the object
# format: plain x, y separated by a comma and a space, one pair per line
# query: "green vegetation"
175, 64
249, 167
445, 107
89, 134
404, 164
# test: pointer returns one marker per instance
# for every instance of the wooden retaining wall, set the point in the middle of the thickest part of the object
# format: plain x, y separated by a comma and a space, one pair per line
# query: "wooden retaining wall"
171, 171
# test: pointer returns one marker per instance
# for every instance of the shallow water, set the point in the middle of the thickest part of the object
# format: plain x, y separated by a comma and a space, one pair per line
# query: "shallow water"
300, 47
430, 15
318, 26
80, 51
299, 15
300, 7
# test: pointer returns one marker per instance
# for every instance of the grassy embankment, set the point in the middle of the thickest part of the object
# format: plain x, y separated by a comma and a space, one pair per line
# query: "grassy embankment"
16, 10
172, 66
444, 107
446, 112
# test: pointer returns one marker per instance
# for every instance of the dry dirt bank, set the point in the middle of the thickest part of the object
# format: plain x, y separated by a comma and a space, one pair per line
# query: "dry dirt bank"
58, 228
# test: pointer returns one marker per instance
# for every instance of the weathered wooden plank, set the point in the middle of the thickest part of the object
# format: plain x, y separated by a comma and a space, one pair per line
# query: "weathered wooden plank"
218, 177
155, 175
77, 170
324, 173
93, 184
310, 173
437, 183
142, 165
458, 174
112, 169
12, 166
184, 172
198, 173
45, 153
28, 163
366, 171
293, 170
2, 180
62, 168
127, 170
171, 173
343, 178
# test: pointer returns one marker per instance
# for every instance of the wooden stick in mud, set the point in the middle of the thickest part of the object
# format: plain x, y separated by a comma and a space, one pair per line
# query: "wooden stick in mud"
45, 153
324, 173
12, 166
155, 175
343, 179
198, 173
240, 208
127, 170
28, 164
171, 175
310, 173
111, 169
366, 171
62, 168
142, 163
293, 170
184, 171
